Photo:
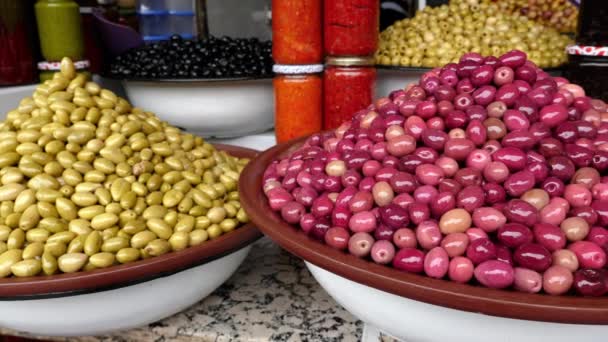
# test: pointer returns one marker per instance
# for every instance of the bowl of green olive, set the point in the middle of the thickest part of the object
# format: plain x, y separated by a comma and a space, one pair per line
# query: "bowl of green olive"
109, 217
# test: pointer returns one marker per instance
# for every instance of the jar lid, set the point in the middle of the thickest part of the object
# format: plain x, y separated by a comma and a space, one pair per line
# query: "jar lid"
350, 61
587, 50
297, 69
56, 66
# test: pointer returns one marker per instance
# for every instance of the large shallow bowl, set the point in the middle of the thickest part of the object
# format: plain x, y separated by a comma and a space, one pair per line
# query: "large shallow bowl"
125, 296
209, 108
417, 308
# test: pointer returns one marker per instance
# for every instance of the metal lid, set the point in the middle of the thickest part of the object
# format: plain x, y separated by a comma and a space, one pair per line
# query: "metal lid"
350, 61
56, 66
297, 69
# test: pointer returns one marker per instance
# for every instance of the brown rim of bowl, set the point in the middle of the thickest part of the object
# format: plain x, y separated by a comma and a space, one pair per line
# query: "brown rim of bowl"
62, 285
501, 303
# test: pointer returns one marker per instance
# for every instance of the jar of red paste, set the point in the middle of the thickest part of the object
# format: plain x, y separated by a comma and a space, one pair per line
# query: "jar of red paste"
351, 27
349, 85
298, 100
296, 31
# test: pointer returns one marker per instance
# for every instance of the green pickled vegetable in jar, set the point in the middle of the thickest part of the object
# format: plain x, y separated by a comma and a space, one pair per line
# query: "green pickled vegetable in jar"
59, 29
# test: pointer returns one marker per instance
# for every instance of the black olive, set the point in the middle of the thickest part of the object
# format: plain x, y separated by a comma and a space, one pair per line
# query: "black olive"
208, 58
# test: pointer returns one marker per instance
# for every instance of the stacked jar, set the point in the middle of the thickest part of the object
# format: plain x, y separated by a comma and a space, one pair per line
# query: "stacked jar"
60, 32
351, 30
298, 53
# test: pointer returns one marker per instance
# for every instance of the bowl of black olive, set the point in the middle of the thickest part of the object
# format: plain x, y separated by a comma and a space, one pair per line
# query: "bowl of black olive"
212, 87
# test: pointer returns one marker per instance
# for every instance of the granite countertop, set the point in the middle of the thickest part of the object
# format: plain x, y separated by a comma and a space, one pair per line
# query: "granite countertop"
271, 297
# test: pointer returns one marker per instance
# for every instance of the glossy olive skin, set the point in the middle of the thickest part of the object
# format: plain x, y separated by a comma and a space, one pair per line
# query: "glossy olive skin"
533, 256
519, 211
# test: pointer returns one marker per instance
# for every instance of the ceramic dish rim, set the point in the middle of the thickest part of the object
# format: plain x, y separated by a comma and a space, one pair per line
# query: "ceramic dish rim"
72, 284
500, 303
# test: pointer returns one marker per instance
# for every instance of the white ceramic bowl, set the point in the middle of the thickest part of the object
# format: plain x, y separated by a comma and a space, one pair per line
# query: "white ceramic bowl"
124, 296
122, 308
211, 108
411, 320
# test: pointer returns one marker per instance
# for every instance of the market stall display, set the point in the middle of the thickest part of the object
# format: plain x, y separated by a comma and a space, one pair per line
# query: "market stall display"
440, 35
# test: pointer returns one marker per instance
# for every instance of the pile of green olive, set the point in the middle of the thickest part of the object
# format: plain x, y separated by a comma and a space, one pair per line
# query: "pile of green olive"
87, 181
559, 14
439, 35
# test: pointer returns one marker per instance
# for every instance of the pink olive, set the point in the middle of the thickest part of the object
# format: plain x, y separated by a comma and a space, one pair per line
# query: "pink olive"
455, 244
292, 212
565, 258
557, 280
488, 219
527, 280
409, 259
383, 252
337, 237
589, 254
480, 250
533, 256
428, 234
382, 193
307, 222
449, 166
496, 171
360, 244
340, 216
361, 201
436, 263
363, 221
578, 195
479, 159
550, 236
475, 234
404, 238
460, 269
458, 148
514, 235
494, 274
322, 206
429, 174
278, 197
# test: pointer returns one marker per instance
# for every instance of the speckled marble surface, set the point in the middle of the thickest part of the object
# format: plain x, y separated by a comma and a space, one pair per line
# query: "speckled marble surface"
272, 297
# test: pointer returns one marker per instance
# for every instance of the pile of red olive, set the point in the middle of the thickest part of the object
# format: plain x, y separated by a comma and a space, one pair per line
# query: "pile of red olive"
488, 171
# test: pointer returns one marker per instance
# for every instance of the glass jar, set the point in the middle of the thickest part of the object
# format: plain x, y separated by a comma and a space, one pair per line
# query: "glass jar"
296, 31
59, 29
351, 28
16, 43
349, 85
298, 96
